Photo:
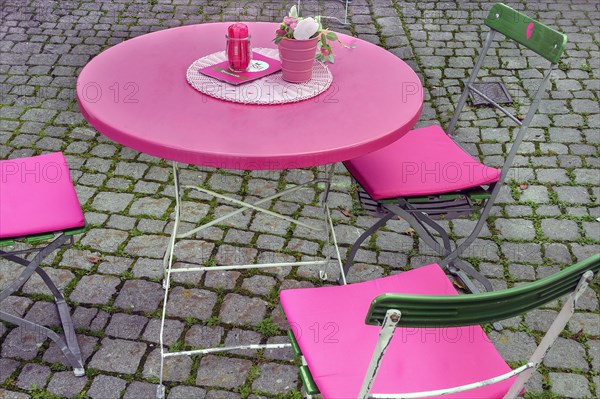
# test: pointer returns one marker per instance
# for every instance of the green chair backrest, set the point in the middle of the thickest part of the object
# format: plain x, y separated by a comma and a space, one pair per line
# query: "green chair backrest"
472, 309
536, 36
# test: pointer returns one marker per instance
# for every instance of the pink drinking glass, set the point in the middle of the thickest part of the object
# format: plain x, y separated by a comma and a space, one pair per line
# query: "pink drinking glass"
239, 53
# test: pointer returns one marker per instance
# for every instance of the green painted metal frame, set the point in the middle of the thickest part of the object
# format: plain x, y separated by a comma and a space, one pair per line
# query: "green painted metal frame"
421, 211
36, 238
463, 310
543, 40
307, 380
475, 193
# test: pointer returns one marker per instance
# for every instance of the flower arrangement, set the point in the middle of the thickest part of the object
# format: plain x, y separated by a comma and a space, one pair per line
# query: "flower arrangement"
297, 28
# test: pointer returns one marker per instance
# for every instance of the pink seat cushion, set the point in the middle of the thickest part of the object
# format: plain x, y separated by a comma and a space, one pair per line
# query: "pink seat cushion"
422, 162
329, 325
37, 196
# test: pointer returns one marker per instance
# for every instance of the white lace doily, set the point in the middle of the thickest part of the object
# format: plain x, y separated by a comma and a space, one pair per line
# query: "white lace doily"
271, 89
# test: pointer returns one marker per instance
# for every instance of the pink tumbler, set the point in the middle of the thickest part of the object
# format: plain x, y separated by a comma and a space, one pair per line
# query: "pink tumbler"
239, 52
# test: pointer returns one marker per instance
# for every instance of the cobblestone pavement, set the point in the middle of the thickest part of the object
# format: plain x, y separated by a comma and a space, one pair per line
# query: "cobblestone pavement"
545, 219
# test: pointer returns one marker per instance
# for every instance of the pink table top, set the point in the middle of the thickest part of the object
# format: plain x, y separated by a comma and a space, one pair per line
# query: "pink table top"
136, 94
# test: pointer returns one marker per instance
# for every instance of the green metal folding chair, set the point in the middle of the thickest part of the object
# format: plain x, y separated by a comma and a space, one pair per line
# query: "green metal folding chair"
411, 336
425, 175
38, 204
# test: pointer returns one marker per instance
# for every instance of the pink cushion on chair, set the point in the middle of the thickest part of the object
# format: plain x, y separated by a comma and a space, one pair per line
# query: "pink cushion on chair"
37, 196
329, 325
422, 162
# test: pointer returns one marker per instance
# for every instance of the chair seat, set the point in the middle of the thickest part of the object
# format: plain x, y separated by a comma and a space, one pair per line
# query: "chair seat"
423, 162
37, 196
329, 325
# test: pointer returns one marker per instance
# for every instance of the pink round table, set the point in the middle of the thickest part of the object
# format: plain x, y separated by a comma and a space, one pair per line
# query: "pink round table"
136, 94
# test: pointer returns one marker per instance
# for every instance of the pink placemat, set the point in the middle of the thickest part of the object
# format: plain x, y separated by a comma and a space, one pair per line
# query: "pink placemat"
271, 89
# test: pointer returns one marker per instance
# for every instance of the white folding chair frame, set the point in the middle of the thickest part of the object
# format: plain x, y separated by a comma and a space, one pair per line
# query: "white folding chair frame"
524, 372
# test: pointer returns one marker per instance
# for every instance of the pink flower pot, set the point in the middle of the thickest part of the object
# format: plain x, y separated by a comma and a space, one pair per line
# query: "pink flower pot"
297, 59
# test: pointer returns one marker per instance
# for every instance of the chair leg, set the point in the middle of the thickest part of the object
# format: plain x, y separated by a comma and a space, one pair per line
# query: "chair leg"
72, 350
69, 346
458, 269
557, 326
418, 223
363, 237
30, 266
392, 317
423, 219
476, 230
454, 267
74, 359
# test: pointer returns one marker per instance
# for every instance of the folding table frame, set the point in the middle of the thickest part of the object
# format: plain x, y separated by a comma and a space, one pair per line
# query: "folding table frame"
327, 228
69, 345
420, 212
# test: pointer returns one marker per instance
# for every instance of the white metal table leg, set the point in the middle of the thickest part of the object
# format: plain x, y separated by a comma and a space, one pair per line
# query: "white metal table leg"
328, 229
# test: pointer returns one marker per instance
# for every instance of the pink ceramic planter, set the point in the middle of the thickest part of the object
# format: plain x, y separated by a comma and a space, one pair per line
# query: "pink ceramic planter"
297, 59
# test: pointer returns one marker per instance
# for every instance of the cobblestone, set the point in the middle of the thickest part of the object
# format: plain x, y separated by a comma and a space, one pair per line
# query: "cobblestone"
237, 337
96, 289
126, 326
177, 368
149, 206
66, 384
105, 240
7, 367
259, 285
118, 356
191, 302
186, 392
566, 353
36, 285
276, 379
535, 230
560, 230
105, 386
139, 295
111, 202
140, 390
222, 372
516, 228
239, 309
204, 336
21, 343
570, 385
172, 331
33, 375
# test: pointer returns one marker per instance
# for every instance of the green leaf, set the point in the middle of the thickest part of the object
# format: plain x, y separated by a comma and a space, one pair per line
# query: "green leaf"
331, 58
293, 12
318, 20
332, 36
278, 39
319, 45
323, 39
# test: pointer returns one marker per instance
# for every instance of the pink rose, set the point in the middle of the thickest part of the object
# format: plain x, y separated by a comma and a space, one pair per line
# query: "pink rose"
289, 20
293, 25
324, 51
280, 32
